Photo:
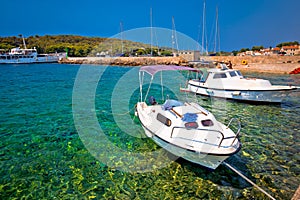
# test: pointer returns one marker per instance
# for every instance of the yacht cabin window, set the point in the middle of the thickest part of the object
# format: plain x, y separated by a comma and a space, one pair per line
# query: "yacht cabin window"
232, 74
239, 73
220, 75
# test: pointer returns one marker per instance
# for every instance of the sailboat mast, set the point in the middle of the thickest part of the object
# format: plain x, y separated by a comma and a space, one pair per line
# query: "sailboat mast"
203, 25
121, 30
217, 31
151, 32
174, 36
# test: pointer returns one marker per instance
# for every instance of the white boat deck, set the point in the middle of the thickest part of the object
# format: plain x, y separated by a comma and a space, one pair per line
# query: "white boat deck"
201, 139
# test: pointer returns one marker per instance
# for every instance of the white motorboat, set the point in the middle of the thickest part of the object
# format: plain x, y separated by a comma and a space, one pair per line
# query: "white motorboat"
231, 84
186, 129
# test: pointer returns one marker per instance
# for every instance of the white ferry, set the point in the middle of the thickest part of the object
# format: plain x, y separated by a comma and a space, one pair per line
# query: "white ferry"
25, 56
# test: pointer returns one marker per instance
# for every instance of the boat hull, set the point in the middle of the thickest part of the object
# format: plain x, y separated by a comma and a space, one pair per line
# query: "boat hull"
206, 160
49, 58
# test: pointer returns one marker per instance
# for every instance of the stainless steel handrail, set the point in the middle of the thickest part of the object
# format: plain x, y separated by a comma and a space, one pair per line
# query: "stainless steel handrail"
201, 129
238, 131
223, 137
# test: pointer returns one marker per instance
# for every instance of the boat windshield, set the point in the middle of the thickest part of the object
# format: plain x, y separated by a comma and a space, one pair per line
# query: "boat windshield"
239, 73
203, 77
233, 74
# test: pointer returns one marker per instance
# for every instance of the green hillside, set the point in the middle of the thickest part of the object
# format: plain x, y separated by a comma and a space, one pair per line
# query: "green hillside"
79, 46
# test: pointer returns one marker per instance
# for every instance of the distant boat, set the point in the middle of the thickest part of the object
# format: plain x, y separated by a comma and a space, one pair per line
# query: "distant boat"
25, 56
230, 84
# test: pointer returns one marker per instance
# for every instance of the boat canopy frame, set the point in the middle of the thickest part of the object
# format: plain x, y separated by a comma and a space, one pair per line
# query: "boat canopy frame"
153, 69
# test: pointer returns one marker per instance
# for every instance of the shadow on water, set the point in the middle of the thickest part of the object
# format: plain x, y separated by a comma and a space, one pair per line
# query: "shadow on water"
222, 175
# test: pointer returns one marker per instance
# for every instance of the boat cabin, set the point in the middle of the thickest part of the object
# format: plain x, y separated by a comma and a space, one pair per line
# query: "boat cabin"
221, 74
229, 79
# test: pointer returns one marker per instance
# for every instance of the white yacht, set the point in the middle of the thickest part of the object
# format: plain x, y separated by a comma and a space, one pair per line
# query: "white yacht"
25, 56
231, 84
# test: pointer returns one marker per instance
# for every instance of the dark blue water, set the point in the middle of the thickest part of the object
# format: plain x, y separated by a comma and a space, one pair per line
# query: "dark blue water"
46, 153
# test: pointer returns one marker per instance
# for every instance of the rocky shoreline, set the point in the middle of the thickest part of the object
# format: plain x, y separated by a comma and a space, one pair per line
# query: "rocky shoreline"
265, 64
126, 61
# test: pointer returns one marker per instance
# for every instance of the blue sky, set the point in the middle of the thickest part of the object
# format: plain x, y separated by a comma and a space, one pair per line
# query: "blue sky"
242, 23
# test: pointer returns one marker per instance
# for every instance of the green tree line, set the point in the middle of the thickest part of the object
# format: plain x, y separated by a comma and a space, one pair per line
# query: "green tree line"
75, 45
78, 46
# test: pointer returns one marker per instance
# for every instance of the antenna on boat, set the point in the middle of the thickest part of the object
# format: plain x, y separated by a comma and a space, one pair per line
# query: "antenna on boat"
248, 180
23, 41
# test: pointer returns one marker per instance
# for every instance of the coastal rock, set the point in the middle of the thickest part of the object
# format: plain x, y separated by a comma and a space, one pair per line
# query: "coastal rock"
268, 64
126, 61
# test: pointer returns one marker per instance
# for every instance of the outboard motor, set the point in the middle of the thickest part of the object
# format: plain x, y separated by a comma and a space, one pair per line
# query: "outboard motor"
152, 100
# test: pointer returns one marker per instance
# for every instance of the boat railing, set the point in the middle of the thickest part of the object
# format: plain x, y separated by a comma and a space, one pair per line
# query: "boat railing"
204, 129
237, 134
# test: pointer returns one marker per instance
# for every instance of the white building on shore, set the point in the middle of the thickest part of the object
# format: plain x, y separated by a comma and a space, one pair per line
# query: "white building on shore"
190, 55
284, 50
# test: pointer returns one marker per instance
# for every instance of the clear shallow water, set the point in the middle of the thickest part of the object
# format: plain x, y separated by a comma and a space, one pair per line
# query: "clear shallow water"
42, 155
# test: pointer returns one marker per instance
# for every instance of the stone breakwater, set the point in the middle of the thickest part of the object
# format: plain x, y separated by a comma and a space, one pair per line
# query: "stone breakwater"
126, 61
268, 64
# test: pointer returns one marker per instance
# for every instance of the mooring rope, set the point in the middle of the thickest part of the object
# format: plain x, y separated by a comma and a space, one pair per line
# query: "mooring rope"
248, 180
120, 113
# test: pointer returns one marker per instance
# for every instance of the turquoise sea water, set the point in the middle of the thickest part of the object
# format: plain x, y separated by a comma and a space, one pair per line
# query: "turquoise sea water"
44, 155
